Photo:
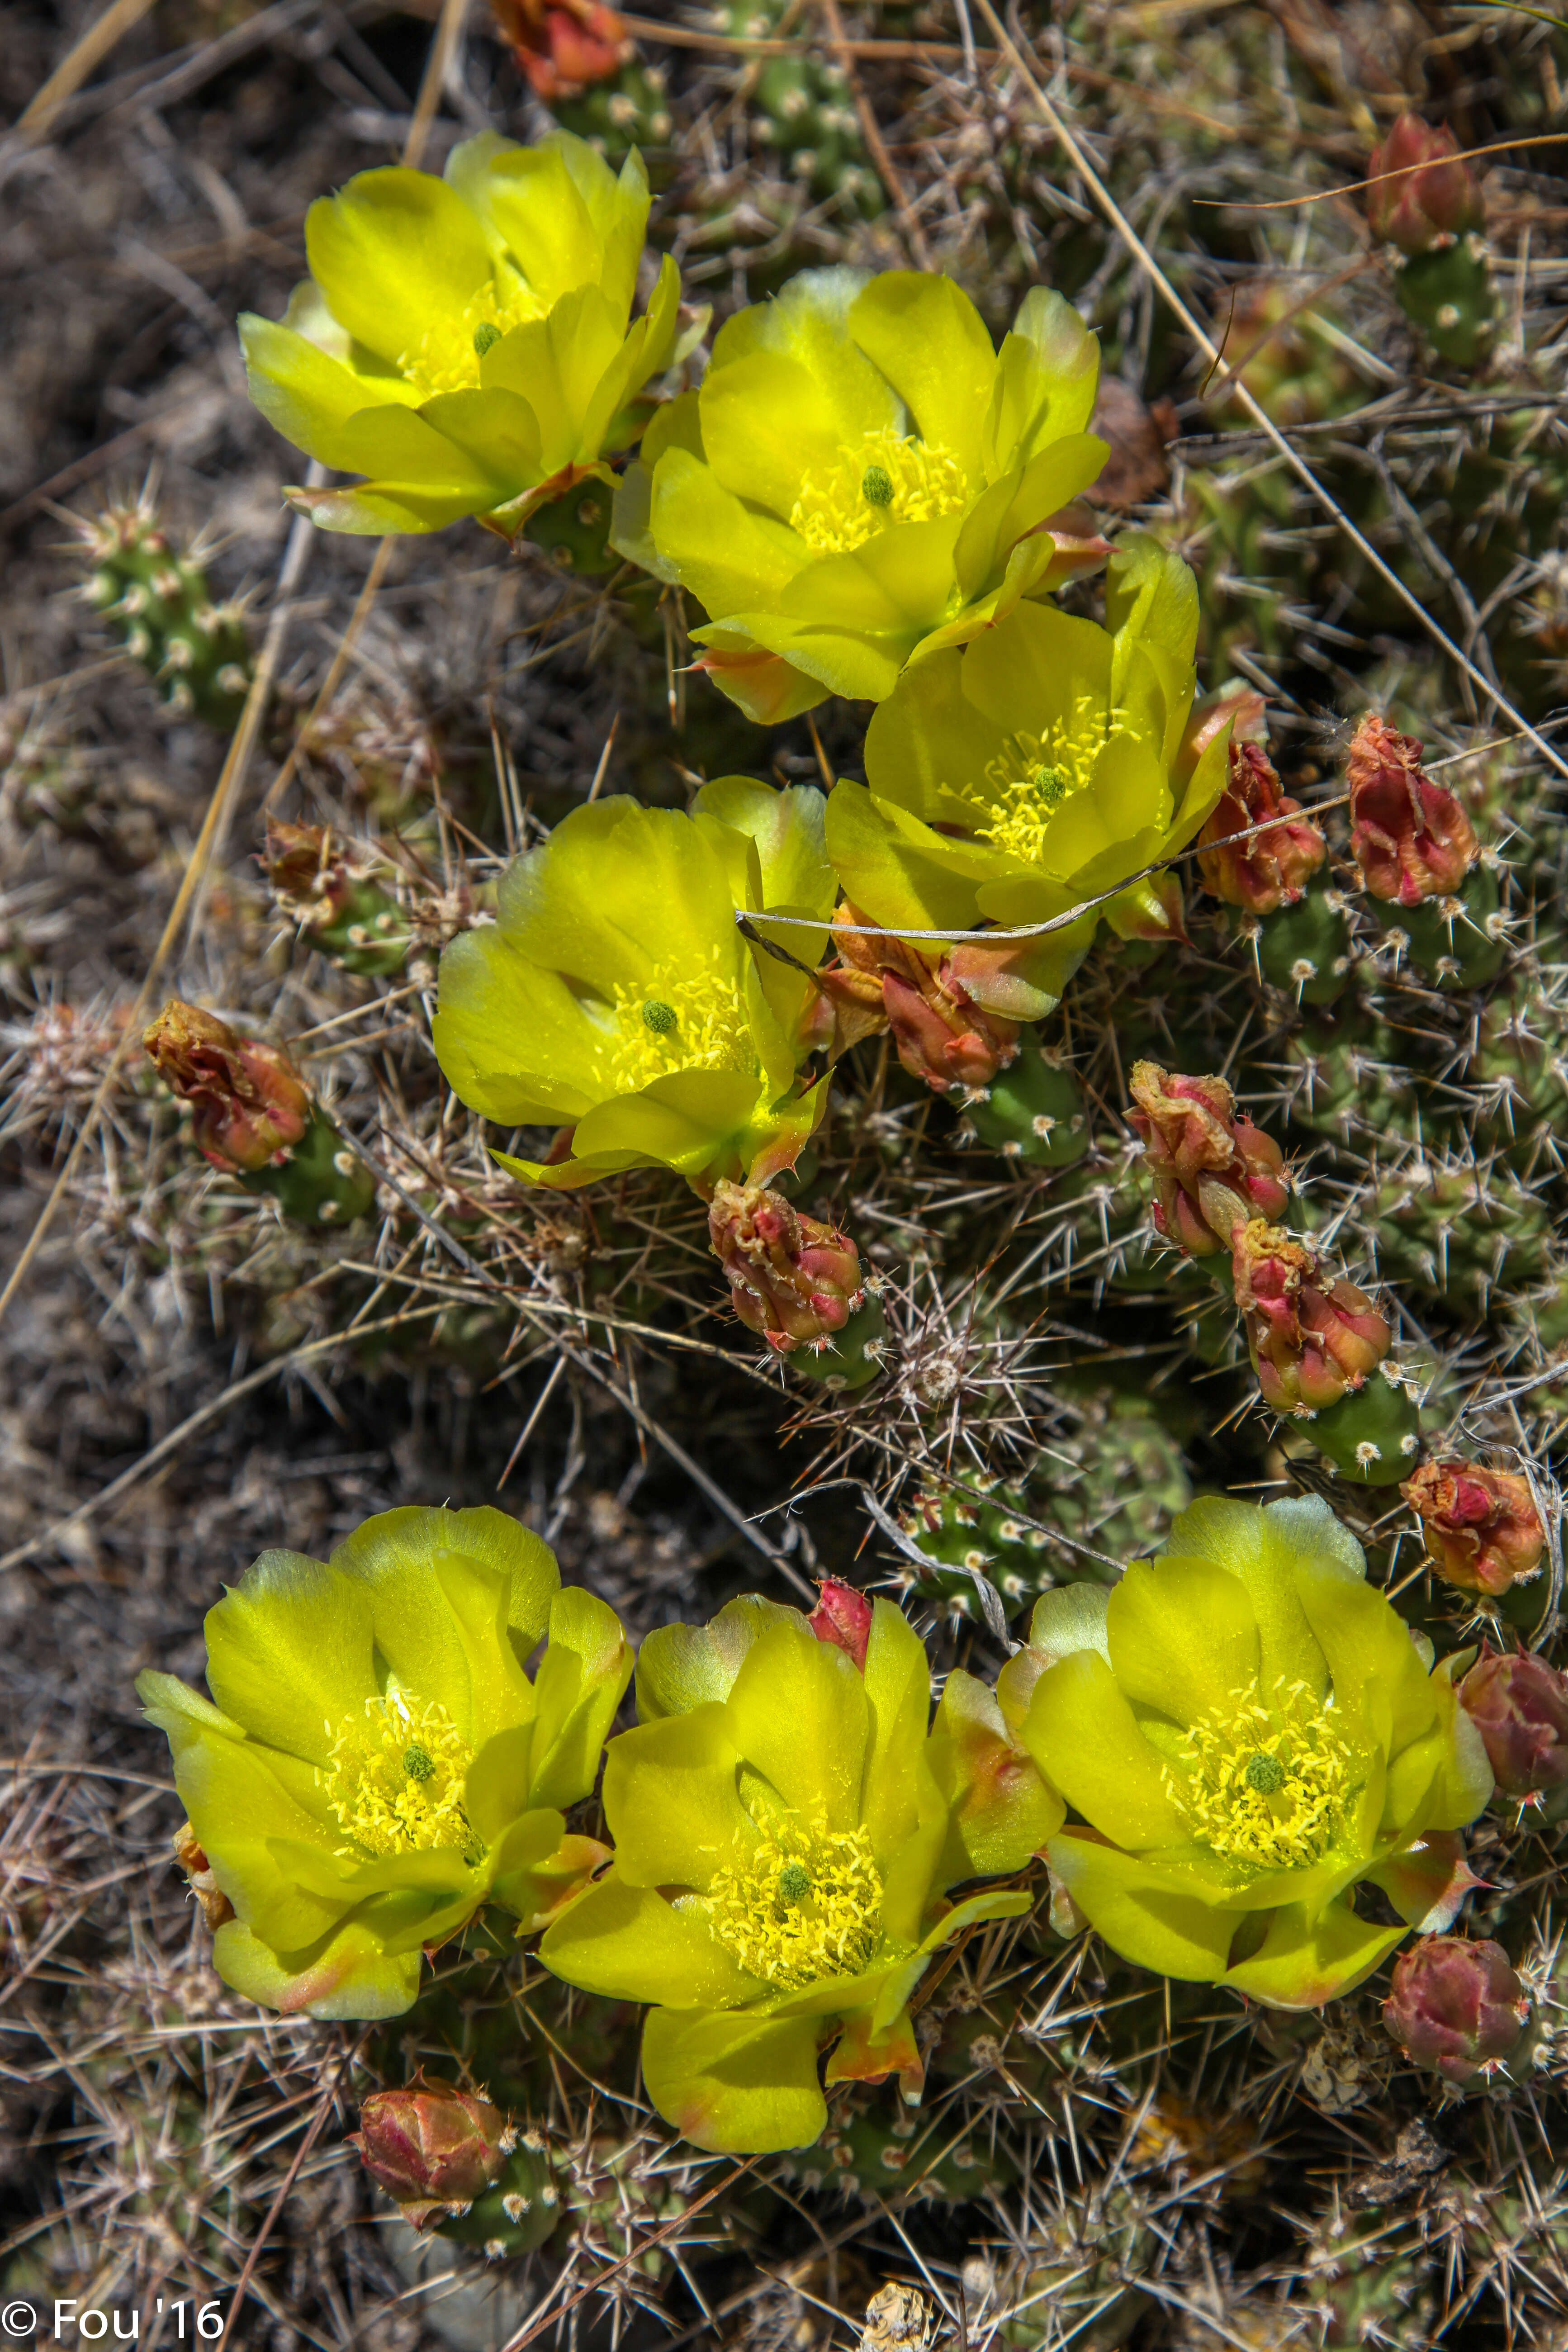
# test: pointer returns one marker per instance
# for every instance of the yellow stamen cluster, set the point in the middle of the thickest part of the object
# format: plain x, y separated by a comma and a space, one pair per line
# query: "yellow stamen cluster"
395, 1779
1267, 1785
447, 356
1027, 781
686, 1017
880, 480
805, 1904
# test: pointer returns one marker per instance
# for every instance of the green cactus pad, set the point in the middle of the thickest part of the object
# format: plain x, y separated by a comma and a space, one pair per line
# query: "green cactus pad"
322, 1181
1033, 1110
1373, 1435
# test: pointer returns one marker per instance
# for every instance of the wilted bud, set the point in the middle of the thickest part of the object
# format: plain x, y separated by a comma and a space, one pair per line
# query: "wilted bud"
1457, 2007
1421, 195
249, 1105
336, 905
842, 1616
1520, 1706
433, 2148
1483, 1530
1409, 837
1212, 1169
562, 45
216, 1908
793, 1279
1271, 869
304, 868
1311, 1336
943, 1035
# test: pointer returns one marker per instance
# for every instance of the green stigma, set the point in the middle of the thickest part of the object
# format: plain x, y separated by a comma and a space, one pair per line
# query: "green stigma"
877, 487
795, 1883
1265, 1775
659, 1017
418, 1763
1048, 786
486, 337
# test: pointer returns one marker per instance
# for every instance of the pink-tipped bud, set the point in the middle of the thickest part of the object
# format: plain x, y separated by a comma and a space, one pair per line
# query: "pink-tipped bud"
1421, 195
250, 1108
1457, 2007
941, 1035
1520, 1706
842, 1616
1312, 1336
1483, 1530
793, 1279
433, 2148
564, 45
1409, 837
1213, 1170
1268, 869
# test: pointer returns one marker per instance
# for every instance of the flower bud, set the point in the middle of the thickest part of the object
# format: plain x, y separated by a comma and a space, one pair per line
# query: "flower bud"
1483, 1530
562, 45
1429, 205
842, 1616
433, 2148
1311, 1337
337, 907
249, 1105
1520, 1706
943, 1035
1457, 2007
1409, 837
1212, 1169
1271, 869
303, 868
793, 1279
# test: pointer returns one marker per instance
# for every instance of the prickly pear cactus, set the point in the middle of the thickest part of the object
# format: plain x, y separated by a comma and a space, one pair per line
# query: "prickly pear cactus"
633, 1368
155, 598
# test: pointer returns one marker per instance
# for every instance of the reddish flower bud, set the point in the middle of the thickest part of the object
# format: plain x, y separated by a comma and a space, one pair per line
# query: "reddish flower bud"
562, 45
1457, 2007
433, 2148
250, 1107
1483, 1530
1409, 837
1429, 205
1520, 1706
793, 1279
1271, 869
842, 1616
1213, 1170
943, 1035
1311, 1336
